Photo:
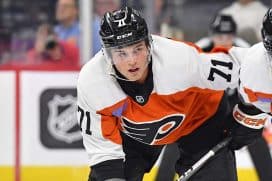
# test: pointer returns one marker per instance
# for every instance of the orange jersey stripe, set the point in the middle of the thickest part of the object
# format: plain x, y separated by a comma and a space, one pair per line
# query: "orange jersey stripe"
220, 49
255, 96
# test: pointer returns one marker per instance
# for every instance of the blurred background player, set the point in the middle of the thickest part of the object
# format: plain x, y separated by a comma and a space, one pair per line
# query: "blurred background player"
248, 14
223, 32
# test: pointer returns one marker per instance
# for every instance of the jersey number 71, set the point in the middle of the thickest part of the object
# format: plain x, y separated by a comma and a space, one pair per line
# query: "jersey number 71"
84, 114
215, 70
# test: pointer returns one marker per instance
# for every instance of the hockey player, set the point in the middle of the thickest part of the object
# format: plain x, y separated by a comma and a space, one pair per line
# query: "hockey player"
256, 87
143, 91
222, 34
256, 90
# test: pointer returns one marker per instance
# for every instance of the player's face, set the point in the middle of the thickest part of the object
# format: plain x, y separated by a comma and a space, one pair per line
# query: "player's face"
131, 61
224, 40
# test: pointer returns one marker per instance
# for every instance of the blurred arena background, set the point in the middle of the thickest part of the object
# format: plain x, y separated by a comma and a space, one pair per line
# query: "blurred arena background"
39, 136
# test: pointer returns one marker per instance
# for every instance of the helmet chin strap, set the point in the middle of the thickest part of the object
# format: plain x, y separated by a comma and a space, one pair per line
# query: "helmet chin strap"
113, 73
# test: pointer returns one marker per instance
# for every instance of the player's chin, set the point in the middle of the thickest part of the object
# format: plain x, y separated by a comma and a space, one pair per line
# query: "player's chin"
133, 77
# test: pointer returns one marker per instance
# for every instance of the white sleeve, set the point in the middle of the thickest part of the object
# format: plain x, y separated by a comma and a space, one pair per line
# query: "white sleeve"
256, 78
99, 149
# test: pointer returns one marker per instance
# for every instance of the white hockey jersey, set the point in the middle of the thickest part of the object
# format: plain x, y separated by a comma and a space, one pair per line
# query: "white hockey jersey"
188, 87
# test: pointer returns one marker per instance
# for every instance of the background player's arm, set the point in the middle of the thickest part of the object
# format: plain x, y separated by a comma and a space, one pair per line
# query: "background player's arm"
250, 113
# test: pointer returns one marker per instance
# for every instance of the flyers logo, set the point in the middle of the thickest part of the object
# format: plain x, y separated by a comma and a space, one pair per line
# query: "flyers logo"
152, 131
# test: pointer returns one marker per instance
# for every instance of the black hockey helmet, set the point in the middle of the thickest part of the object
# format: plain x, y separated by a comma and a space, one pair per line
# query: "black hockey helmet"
223, 24
267, 31
123, 27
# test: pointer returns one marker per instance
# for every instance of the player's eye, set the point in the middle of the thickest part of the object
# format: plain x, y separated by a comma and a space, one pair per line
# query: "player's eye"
122, 54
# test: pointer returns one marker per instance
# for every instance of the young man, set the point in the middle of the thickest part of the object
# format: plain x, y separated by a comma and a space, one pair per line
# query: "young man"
142, 92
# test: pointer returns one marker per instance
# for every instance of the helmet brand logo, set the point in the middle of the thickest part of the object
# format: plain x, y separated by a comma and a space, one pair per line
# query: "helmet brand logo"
124, 36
